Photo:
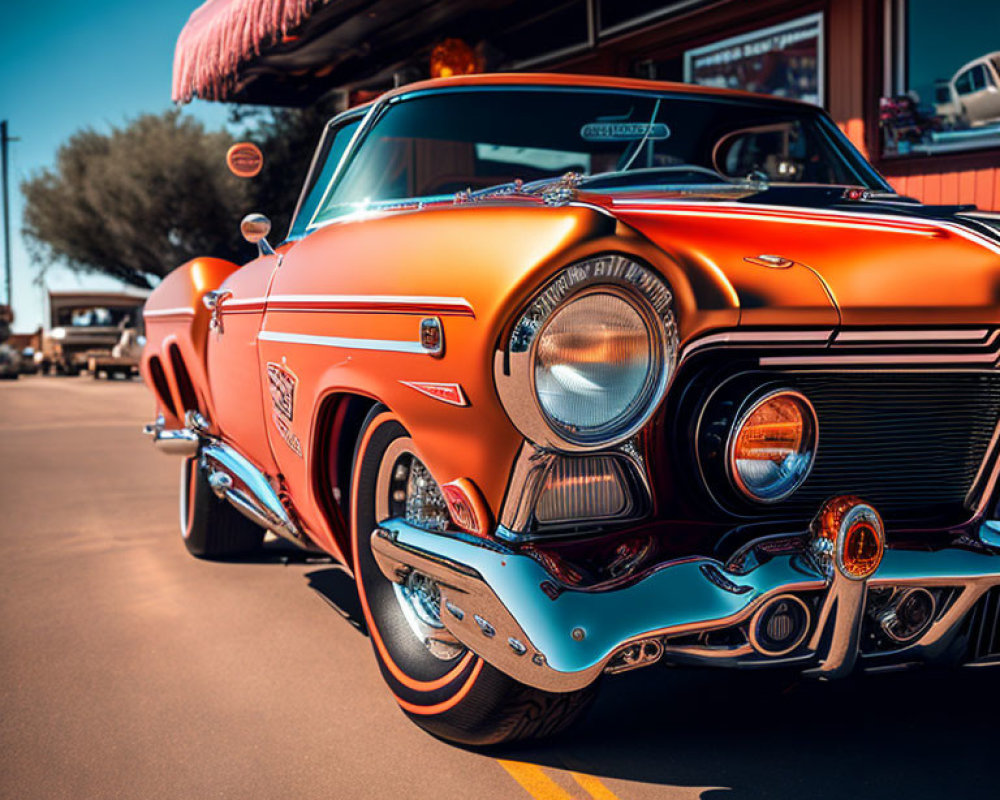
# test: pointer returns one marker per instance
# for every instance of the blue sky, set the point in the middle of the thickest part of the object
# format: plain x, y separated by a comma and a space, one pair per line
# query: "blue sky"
68, 65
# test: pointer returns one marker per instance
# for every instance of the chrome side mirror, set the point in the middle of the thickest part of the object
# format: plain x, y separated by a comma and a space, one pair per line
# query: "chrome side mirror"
255, 228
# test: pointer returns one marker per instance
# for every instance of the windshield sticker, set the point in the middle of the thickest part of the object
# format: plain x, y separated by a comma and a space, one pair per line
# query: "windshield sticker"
614, 131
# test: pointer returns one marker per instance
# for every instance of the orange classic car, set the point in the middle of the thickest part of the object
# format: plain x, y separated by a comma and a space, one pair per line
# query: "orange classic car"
581, 375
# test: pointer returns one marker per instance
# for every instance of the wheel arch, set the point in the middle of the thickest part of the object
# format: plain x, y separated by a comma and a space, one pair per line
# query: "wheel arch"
338, 422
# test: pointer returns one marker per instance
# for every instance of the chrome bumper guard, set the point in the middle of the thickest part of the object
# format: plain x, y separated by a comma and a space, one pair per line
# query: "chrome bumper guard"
510, 611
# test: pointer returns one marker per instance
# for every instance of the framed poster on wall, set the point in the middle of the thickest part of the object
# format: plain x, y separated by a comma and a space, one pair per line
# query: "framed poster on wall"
784, 60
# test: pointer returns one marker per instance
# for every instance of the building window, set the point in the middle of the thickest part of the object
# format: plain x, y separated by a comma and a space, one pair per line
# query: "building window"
784, 60
942, 77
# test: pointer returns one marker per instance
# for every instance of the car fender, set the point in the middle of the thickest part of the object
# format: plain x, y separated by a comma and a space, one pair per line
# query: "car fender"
486, 261
177, 324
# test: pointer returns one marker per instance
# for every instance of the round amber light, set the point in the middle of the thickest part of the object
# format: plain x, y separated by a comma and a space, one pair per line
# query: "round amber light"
774, 446
861, 550
849, 534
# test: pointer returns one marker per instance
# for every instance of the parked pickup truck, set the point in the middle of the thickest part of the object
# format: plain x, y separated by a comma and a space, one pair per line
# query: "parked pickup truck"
123, 358
86, 325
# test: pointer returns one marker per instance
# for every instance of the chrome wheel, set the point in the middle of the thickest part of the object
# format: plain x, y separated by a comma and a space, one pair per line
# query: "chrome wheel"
405, 488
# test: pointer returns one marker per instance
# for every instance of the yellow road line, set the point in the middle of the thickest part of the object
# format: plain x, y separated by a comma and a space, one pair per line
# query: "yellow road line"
594, 787
540, 786
535, 781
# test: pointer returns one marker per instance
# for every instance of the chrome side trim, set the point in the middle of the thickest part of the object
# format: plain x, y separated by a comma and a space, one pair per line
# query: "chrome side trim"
817, 220
384, 345
884, 358
810, 338
235, 479
251, 303
371, 303
930, 336
168, 312
980, 345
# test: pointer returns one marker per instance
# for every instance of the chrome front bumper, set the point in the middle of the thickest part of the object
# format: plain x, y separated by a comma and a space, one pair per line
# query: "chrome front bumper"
511, 611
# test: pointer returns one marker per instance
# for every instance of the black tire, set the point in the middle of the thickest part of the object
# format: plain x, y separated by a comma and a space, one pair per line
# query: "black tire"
210, 527
463, 700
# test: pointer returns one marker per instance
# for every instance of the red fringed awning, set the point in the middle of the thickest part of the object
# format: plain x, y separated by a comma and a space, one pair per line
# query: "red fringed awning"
223, 34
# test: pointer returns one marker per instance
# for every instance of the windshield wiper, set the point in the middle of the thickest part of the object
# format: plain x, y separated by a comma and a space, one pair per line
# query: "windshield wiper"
644, 139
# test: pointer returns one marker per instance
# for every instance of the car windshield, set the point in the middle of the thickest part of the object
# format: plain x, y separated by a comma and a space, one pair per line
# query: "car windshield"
95, 317
429, 146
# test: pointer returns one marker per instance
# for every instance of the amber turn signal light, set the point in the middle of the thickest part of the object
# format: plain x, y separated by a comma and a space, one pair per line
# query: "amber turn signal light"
849, 534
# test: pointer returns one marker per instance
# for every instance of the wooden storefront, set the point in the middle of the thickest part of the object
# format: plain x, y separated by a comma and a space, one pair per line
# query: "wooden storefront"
864, 56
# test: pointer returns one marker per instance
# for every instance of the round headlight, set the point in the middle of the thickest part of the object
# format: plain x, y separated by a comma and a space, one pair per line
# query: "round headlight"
591, 355
594, 365
773, 446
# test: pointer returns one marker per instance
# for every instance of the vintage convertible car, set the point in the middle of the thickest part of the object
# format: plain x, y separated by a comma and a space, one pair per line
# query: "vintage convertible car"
578, 375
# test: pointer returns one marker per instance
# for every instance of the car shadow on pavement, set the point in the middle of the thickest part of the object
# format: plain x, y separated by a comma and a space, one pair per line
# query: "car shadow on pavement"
336, 586
933, 734
278, 551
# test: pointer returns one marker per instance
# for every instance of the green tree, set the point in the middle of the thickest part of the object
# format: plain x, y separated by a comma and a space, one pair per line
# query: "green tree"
139, 201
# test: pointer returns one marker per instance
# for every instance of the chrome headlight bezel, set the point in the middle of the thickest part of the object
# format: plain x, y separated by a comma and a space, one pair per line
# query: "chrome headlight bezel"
514, 368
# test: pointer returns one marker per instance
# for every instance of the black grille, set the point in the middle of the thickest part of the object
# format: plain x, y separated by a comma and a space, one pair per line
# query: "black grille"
910, 443
984, 627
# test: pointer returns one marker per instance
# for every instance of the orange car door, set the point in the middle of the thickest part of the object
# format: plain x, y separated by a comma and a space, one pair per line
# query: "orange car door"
233, 364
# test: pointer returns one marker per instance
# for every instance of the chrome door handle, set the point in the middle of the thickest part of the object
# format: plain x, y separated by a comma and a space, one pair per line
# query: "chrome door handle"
213, 302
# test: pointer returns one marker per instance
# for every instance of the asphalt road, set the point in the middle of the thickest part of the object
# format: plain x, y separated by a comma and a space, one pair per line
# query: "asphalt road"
129, 669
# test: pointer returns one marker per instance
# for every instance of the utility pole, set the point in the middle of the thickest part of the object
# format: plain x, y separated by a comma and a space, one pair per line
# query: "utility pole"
4, 139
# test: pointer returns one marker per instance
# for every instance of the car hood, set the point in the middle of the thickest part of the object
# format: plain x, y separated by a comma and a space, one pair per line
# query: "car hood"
854, 268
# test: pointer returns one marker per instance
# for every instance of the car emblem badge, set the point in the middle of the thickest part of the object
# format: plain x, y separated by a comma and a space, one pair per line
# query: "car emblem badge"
450, 393
286, 433
281, 382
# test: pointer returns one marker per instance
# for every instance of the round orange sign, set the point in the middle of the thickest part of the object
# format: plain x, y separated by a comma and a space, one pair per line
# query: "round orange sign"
244, 159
